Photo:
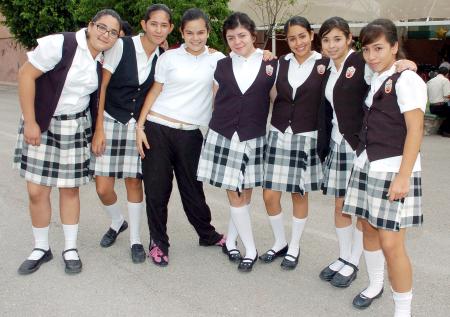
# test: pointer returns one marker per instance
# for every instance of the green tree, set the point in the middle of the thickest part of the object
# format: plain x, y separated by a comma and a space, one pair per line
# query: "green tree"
133, 12
31, 19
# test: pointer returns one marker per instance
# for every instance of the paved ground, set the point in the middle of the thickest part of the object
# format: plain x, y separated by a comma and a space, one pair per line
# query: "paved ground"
201, 281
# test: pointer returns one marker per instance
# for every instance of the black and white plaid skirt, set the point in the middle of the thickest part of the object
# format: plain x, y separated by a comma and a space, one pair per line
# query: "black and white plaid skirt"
291, 163
231, 164
62, 158
337, 169
366, 198
121, 158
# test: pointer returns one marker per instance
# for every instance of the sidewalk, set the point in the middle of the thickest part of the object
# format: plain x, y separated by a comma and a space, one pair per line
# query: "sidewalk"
201, 281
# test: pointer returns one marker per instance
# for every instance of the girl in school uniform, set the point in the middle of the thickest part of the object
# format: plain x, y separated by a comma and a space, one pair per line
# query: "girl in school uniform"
292, 164
385, 187
53, 146
232, 154
340, 120
168, 135
128, 74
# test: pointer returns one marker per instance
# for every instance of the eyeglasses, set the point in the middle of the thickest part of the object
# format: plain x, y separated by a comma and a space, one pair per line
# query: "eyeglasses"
104, 29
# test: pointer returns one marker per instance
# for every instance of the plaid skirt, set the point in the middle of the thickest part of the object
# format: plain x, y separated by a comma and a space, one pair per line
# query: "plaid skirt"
62, 158
291, 163
231, 164
121, 158
337, 169
366, 198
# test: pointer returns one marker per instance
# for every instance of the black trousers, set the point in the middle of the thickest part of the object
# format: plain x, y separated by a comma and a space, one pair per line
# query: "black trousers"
444, 112
174, 151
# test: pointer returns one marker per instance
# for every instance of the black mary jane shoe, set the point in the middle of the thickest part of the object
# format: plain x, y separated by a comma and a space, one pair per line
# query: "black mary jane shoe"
234, 255
271, 255
137, 253
342, 281
362, 302
327, 274
246, 264
72, 266
30, 266
289, 262
110, 236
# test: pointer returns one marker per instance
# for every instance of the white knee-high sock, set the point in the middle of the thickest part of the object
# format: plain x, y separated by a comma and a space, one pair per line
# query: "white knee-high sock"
242, 221
276, 222
357, 249
70, 239
232, 235
375, 270
116, 215
298, 225
40, 241
134, 214
402, 303
345, 245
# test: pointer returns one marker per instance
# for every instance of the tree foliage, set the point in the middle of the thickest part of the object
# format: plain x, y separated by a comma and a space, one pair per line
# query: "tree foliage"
31, 19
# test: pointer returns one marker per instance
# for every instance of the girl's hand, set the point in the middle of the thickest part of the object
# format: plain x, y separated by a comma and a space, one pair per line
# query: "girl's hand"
405, 64
32, 133
268, 56
399, 188
141, 138
211, 50
98, 142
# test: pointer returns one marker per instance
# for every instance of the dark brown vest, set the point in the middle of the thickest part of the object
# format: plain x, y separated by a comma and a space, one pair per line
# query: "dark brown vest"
245, 113
301, 112
50, 85
384, 129
349, 94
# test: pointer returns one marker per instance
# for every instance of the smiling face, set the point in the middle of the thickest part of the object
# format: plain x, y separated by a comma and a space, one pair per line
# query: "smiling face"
102, 34
336, 45
240, 40
157, 27
299, 41
195, 35
380, 55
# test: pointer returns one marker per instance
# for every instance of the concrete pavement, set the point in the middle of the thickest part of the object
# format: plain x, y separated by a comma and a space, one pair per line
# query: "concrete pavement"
201, 281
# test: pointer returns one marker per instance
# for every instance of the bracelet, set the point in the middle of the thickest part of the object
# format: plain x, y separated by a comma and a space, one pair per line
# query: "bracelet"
140, 127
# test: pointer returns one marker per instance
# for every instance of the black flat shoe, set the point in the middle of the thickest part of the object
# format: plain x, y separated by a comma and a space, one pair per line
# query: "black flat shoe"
362, 302
72, 266
111, 235
246, 264
342, 281
271, 255
327, 274
137, 253
290, 262
234, 255
30, 266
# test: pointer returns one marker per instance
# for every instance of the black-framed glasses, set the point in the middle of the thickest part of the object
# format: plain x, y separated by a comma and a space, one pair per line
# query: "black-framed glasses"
104, 29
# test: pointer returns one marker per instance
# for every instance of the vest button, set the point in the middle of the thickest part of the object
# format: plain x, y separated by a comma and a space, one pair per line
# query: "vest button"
132, 113
139, 89
134, 100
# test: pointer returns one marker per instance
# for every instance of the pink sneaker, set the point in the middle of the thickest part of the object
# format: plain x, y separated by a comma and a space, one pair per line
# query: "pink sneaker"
157, 255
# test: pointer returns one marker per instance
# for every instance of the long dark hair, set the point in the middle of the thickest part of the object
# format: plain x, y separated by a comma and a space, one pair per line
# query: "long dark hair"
378, 28
194, 14
238, 19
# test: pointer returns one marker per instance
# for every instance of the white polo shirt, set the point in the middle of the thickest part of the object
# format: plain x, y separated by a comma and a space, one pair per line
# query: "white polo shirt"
187, 85
411, 94
113, 57
82, 78
336, 135
297, 75
438, 89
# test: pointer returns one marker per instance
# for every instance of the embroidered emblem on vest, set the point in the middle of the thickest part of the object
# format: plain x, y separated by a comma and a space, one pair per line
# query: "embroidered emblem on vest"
321, 69
350, 72
388, 86
269, 70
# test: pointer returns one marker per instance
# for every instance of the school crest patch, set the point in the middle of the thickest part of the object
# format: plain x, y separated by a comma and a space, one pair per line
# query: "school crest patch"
269, 70
350, 72
321, 69
388, 86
